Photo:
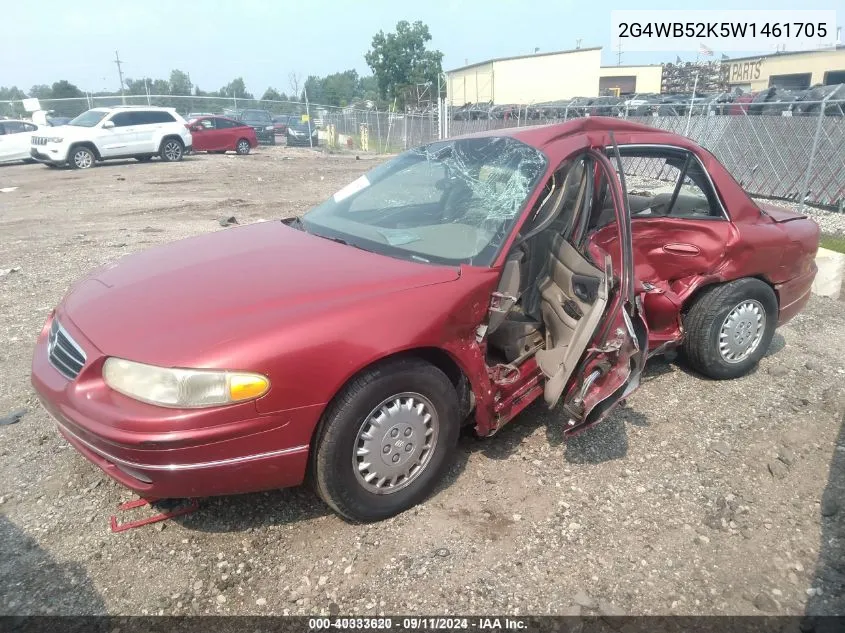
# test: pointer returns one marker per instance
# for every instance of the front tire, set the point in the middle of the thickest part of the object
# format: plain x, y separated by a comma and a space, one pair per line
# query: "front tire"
172, 150
385, 440
729, 328
81, 158
242, 147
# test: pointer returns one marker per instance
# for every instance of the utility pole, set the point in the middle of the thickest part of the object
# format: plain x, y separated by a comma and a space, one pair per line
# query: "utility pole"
120, 73
619, 53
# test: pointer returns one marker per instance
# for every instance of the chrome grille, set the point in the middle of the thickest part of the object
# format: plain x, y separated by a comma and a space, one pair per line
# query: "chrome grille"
39, 140
63, 352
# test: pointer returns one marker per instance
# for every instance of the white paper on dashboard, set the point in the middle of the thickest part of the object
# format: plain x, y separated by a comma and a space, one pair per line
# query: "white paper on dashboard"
353, 187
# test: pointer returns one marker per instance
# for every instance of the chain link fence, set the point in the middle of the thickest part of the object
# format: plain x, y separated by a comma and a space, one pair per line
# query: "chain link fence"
775, 153
784, 155
383, 131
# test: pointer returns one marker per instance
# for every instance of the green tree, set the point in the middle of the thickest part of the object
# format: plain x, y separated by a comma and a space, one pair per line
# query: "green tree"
7, 96
340, 89
138, 86
235, 88
159, 87
367, 88
63, 89
401, 59
271, 94
180, 82
41, 91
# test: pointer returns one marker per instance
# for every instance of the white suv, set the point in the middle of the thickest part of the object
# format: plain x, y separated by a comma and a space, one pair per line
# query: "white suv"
122, 132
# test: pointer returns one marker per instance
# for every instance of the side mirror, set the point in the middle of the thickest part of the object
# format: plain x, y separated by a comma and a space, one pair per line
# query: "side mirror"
108, 125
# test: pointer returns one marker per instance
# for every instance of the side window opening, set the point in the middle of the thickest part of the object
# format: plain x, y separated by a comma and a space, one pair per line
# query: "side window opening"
665, 182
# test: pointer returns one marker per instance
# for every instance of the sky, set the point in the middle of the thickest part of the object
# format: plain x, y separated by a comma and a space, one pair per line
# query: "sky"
265, 40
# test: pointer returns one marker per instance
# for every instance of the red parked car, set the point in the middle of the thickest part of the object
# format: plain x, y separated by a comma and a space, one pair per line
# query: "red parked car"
218, 135
454, 284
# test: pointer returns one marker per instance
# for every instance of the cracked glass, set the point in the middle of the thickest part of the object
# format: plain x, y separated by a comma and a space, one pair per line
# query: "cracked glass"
449, 202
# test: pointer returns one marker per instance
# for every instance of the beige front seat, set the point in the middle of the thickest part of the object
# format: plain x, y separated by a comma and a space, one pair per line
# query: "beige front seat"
573, 300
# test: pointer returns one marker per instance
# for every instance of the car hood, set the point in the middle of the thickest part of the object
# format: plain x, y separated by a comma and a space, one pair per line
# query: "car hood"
176, 303
66, 131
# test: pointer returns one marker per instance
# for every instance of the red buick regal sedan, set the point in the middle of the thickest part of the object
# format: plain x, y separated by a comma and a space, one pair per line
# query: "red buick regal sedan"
454, 284
218, 135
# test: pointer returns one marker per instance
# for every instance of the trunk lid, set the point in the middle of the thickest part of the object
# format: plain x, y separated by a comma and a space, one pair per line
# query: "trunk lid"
778, 213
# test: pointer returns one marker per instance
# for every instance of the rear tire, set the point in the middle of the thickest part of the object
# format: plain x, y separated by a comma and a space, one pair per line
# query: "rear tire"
242, 147
369, 415
172, 150
729, 328
81, 158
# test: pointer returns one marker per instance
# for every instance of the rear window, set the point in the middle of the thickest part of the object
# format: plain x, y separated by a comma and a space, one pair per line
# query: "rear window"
153, 116
141, 117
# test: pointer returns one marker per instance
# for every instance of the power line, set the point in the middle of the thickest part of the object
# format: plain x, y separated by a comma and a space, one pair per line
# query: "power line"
120, 73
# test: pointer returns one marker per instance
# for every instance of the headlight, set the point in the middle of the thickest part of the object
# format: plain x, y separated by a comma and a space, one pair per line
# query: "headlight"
55, 139
268, 128
293, 132
182, 388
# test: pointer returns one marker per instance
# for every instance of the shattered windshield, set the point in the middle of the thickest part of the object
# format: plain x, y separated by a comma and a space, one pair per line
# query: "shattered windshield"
449, 202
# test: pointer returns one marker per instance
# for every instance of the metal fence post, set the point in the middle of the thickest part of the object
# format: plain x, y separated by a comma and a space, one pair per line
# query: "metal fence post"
804, 189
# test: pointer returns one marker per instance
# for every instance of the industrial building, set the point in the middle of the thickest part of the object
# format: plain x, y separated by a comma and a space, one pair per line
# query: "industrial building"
544, 77
526, 78
795, 71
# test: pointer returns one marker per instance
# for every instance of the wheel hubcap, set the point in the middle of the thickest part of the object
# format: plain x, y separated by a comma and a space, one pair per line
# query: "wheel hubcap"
82, 159
395, 443
172, 150
244, 147
742, 331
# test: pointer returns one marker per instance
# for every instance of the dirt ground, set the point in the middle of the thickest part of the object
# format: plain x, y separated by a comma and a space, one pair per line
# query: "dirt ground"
697, 497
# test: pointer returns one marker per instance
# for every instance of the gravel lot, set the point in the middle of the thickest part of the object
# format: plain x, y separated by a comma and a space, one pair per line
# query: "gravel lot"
697, 497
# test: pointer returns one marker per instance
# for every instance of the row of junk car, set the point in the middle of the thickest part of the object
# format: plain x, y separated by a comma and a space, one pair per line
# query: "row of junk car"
772, 101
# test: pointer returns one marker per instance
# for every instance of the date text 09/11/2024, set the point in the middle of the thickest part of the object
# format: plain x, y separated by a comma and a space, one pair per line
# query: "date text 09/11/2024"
417, 623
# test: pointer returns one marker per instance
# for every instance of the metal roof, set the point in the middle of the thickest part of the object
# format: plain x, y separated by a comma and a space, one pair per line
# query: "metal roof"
507, 59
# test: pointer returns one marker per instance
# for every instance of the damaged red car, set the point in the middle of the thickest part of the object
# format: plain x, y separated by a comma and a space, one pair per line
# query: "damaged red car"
454, 284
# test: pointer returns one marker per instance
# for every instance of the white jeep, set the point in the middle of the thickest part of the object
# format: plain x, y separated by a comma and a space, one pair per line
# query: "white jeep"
139, 132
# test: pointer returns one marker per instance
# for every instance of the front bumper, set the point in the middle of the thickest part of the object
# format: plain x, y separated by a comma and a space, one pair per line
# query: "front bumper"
45, 155
265, 137
302, 141
160, 452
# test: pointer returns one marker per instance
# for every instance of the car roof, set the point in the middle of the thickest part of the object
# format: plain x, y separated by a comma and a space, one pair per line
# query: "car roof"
540, 136
217, 116
132, 108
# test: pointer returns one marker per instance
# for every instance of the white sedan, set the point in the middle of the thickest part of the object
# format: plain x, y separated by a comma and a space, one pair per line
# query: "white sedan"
15, 138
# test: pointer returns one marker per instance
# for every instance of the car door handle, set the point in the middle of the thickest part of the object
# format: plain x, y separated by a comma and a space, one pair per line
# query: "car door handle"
685, 250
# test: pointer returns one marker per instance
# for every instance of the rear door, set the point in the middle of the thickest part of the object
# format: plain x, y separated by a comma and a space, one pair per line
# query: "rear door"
150, 124
229, 132
612, 355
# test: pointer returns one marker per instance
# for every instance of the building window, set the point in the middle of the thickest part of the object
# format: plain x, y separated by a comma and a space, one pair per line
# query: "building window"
833, 77
798, 81
626, 84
